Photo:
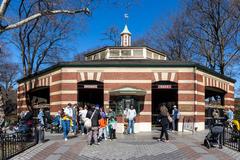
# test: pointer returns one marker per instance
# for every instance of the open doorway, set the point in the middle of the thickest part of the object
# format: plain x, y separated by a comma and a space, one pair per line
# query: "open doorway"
90, 92
214, 102
163, 93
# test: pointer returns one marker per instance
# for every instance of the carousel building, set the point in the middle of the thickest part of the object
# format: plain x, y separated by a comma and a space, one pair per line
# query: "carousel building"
117, 77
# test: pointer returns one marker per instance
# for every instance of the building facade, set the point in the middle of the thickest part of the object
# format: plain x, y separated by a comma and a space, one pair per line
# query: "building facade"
117, 77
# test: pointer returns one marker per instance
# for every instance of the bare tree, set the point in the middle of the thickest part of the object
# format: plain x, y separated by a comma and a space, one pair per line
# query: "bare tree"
215, 29
171, 39
112, 34
50, 8
8, 75
40, 41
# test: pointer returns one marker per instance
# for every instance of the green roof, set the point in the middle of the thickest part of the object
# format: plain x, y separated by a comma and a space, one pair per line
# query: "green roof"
144, 63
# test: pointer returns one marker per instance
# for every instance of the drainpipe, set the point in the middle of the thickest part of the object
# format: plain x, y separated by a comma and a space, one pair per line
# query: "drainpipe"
195, 99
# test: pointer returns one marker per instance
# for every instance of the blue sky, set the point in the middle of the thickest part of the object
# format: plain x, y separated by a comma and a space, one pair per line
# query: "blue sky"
142, 16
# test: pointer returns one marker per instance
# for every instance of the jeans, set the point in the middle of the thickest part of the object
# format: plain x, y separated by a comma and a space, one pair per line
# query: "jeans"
103, 131
74, 127
130, 126
164, 131
82, 127
66, 127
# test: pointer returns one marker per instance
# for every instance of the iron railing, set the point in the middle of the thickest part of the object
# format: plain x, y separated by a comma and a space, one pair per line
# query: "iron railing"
15, 143
231, 138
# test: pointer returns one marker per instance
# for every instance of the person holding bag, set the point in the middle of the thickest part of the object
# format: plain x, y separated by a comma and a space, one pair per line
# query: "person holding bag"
92, 124
164, 116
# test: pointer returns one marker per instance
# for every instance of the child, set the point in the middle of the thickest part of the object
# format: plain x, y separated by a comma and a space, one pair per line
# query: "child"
102, 128
112, 124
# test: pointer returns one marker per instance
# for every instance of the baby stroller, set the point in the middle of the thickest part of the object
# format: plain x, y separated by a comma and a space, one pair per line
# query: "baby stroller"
214, 136
55, 125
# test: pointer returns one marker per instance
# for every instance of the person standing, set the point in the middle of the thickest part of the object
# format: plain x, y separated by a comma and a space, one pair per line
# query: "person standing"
131, 114
95, 116
66, 115
112, 125
175, 117
82, 115
40, 126
74, 119
164, 122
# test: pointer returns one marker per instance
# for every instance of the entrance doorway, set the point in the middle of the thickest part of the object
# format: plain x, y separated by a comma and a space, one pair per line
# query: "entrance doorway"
90, 92
163, 93
214, 102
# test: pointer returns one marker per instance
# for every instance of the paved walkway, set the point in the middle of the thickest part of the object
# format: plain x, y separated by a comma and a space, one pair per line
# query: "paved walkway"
141, 146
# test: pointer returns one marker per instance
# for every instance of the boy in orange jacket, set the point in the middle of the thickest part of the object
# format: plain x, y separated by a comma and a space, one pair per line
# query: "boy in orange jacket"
102, 128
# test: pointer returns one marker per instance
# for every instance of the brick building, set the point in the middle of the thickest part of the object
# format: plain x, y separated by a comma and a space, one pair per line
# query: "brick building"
117, 77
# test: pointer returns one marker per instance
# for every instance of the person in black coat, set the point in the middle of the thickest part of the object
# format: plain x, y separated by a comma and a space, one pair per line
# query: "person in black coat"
164, 121
93, 131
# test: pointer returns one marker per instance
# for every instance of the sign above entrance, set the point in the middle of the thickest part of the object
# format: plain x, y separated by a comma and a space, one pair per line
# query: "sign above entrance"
164, 86
90, 86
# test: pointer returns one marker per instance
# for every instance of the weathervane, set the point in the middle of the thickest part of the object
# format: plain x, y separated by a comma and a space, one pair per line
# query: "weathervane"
126, 18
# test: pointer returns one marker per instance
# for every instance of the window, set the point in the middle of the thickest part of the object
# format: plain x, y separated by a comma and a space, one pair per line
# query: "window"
114, 53
126, 53
149, 54
119, 103
138, 53
103, 54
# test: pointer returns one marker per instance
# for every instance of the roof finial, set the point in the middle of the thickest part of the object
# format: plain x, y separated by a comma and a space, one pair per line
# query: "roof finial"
126, 18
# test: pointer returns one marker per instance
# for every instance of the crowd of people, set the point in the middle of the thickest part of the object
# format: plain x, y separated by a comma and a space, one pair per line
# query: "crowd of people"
103, 125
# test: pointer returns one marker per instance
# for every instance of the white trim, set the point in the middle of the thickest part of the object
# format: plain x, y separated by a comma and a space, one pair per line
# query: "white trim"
229, 99
156, 76
164, 76
98, 76
62, 102
127, 81
82, 76
22, 106
90, 75
192, 113
191, 102
231, 92
190, 92
191, 81
147, 102
127, 69
64, 81
63, 92
145, 113
172, 76
149, 91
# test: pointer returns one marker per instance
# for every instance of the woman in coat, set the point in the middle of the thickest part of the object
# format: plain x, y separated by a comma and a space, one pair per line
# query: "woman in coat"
165, 122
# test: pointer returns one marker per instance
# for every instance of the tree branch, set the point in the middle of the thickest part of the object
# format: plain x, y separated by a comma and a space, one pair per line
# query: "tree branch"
43, 13
3, 8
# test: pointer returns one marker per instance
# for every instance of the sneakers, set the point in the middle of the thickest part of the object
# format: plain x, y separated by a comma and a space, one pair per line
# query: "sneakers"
96, 143
65, 139
83, 134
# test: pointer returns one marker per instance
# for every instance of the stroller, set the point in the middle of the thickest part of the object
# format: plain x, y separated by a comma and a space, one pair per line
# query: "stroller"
56, 124
214, 136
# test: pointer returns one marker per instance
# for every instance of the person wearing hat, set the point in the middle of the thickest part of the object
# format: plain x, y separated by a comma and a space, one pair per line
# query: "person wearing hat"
175, 117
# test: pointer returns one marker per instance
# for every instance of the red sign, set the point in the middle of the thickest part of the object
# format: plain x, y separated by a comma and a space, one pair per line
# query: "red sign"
164, 86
